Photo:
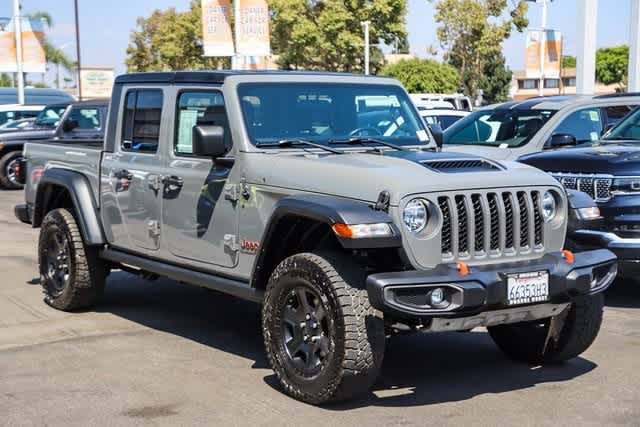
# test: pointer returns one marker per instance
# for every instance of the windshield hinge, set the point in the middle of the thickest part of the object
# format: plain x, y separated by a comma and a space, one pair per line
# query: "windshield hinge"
155, 181
231, 193
384, 199
154, 228
231, 242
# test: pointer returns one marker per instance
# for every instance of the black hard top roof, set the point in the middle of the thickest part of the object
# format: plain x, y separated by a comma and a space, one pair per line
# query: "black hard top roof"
91, 103
216, 76
531, 102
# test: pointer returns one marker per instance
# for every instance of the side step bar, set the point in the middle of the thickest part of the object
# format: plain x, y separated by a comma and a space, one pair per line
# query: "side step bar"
233, 287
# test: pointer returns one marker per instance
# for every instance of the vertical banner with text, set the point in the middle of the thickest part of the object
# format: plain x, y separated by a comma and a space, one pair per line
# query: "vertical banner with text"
253, 28
33, 57
216, 28
552, 53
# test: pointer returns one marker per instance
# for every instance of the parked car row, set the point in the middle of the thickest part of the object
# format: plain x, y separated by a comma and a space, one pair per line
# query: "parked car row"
323, 197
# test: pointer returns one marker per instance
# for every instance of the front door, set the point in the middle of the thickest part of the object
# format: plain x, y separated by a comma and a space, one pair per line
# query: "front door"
131, 206
200, 224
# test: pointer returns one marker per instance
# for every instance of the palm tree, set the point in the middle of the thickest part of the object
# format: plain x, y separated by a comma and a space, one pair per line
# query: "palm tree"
52, 54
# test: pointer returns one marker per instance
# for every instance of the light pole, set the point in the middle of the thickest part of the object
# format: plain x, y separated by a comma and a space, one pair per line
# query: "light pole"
79, 66
366, 25
17, 23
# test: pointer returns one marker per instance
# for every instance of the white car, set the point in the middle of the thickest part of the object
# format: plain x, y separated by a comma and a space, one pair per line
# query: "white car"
442, 117
12, 112
457, 100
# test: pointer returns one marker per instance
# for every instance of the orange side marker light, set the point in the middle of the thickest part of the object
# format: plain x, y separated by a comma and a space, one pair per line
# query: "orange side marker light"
463, 268
343, 230
569, 256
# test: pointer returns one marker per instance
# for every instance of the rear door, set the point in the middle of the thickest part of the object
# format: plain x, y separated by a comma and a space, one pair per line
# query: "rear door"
199, 223
131, 198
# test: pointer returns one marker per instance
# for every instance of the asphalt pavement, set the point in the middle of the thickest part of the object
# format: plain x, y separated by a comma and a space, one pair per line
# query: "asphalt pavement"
163, 353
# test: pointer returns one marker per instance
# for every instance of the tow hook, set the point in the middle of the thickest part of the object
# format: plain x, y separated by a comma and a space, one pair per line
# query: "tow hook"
555, 328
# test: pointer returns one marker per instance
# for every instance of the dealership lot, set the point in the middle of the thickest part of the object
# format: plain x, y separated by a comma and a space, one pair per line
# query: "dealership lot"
168, 354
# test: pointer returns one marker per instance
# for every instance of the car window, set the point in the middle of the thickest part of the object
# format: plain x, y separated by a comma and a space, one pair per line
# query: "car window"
50, 116
323, 112
444, 121
86, 118
201, 108
615, 113
141, 121
7, 116
497, 127
629, 128
585, 125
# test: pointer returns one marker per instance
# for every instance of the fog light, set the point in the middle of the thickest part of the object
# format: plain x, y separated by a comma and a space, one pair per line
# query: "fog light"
437, 298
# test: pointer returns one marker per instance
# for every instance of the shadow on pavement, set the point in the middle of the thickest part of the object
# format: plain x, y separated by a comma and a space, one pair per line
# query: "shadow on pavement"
418, 369
623, 294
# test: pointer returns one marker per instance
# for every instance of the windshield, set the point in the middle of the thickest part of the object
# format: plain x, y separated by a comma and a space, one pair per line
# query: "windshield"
328, 112
628, 128
445, 121
497, 127
50, 116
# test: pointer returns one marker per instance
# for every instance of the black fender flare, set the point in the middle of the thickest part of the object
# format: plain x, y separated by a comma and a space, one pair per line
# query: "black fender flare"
329, 210
82, 197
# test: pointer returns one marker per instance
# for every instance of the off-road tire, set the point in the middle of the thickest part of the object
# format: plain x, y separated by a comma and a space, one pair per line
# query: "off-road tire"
525, 341
86, 273
359, 339
5, 161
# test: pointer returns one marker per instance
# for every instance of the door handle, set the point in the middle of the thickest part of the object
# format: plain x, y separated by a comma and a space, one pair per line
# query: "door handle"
123, 174
173, 182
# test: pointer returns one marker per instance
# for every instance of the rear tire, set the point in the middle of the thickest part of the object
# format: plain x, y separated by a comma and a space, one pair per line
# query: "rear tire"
71, 274
341, 356
8, 176
525, 341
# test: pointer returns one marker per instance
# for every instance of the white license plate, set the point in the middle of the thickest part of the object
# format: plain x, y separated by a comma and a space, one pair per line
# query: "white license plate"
527, 288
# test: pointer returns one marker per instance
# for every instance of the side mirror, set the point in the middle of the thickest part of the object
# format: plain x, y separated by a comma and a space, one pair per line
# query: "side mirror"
562, 140
69, 125
208, 141
438, 135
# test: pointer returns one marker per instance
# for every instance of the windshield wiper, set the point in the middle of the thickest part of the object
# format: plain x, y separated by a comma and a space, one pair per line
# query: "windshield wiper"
366, 140
285, 143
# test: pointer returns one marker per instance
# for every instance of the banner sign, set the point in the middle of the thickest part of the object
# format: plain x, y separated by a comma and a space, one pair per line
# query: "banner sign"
33, 57
216, 28
552, 54
253, 28
97, 82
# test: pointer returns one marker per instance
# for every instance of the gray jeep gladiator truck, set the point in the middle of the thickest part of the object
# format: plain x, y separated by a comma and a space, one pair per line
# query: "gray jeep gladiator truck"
322, 197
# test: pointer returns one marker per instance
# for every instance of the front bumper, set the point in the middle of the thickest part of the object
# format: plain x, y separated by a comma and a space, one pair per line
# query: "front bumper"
625, 248
403, 294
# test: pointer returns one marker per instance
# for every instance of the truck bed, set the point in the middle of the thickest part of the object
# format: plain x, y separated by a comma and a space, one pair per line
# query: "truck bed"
81, 156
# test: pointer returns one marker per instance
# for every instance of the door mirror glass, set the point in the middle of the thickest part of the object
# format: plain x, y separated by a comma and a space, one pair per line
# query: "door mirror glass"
562, 140
208, 141
437, 133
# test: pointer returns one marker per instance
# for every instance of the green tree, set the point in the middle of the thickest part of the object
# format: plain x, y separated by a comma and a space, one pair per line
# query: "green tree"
612, 66
569, 61
471, 33
328, 35
170, 40
5, 80
496, 79
424, 76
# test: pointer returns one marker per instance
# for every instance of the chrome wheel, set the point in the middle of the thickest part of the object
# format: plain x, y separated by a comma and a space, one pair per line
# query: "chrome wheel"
11, 171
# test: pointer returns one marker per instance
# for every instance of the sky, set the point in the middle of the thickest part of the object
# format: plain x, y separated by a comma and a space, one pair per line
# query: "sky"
105, 26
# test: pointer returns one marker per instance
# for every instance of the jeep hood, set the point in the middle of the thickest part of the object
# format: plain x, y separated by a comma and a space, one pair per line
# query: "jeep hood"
614, 159
363, 176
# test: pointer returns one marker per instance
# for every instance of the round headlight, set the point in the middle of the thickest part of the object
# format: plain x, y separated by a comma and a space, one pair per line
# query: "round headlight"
549, 206
415, 215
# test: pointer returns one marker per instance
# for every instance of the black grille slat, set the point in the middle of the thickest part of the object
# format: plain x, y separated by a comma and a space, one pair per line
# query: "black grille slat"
447, 244
478, 217
494, 214
508, 215
463, 231
524, 219
537, 216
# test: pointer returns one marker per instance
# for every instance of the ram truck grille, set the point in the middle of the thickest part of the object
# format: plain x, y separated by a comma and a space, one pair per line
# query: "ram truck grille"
596, 186
490, 224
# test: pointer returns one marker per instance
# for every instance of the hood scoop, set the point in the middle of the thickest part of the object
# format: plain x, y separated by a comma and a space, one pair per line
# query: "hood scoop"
461, 165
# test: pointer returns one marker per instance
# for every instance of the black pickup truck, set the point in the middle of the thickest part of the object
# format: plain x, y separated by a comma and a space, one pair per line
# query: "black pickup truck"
60, 122
609, 171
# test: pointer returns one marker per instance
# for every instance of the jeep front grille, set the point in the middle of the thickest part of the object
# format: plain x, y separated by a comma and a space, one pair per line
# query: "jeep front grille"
490, 224
596, 186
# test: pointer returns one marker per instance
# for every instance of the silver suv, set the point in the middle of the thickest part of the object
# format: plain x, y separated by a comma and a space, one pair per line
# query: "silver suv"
512, 129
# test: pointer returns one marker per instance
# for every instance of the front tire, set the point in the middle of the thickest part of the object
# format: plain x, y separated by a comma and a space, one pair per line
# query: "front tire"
71, 274
525, 341
8, 175
323, 339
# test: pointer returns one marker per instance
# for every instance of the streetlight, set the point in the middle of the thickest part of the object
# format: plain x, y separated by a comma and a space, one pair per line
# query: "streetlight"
17, 20
75, 4
366, 25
